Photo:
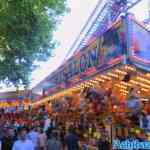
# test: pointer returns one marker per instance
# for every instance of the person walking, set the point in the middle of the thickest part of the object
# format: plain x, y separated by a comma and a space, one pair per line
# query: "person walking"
72, 140
8, 139
23, 143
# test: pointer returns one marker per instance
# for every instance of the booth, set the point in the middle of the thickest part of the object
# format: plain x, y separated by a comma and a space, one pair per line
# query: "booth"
107, 83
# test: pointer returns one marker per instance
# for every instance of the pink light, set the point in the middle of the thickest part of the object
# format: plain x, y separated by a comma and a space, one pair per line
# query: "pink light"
116, 60
90, 71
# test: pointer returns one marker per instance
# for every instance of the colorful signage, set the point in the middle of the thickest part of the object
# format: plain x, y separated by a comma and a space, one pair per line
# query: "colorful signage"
105, 50
89, 58
109, 47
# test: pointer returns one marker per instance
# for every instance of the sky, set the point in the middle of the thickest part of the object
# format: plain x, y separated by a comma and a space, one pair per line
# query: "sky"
68, 31
141, 10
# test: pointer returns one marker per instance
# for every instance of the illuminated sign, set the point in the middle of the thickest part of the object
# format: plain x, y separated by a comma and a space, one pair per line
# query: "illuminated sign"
100, 53
87, 59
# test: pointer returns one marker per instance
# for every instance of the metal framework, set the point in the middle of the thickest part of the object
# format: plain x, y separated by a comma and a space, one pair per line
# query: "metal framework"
109, 12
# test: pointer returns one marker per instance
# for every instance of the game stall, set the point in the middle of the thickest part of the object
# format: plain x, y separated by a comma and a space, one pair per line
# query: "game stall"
107, 84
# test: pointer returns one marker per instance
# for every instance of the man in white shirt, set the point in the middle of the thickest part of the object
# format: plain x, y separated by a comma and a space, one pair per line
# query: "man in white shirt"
23, 143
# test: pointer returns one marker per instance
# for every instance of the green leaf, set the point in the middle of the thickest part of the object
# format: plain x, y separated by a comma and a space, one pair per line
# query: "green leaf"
26, 36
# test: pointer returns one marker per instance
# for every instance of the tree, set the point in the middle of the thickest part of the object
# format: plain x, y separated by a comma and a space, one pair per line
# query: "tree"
26, 36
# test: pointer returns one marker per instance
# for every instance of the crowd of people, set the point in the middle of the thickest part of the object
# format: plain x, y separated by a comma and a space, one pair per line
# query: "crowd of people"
91, 124
25, 132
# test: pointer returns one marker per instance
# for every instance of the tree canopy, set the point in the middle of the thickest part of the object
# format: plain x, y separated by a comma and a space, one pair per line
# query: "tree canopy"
26, 36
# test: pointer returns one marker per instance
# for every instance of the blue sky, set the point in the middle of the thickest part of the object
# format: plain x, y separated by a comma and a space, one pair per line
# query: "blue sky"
69, 29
